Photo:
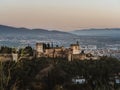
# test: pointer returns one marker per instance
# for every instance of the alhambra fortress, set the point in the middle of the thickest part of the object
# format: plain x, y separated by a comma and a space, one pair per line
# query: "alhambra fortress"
74, 52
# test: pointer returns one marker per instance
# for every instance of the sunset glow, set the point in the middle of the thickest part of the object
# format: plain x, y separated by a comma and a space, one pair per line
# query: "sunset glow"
60, 14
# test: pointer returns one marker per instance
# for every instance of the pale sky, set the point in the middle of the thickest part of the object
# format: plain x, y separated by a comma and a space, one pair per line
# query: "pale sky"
60, 14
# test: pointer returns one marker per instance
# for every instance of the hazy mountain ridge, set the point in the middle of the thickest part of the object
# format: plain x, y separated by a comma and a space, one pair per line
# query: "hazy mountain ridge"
112, 32
13, 36
99, 29
10, 29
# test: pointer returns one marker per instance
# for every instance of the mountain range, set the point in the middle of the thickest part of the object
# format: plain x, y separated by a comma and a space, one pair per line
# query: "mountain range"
112, 32
10, 29
21, 36
92, 32
13, 36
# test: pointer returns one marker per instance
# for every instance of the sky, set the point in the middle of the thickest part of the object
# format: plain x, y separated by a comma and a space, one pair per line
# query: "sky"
60, 14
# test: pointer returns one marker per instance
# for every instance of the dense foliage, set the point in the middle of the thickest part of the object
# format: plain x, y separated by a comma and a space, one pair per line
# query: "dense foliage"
5, 50
27, 51
57, 74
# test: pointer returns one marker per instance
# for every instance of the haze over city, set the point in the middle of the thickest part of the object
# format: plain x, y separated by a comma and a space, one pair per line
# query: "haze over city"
60, 14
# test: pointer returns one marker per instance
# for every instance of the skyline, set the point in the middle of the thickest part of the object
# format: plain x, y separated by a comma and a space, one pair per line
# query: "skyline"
60, 14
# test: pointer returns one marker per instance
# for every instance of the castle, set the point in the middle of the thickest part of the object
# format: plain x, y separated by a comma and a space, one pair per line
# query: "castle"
74, 52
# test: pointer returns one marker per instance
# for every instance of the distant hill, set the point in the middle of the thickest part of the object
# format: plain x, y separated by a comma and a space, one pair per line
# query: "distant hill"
10, 29
20, 37
13, 36
114, 32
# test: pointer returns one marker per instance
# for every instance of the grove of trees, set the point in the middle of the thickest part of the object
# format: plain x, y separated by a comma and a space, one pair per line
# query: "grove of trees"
57, 74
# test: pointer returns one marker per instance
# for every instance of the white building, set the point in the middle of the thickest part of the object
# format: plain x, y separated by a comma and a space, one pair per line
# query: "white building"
79, 80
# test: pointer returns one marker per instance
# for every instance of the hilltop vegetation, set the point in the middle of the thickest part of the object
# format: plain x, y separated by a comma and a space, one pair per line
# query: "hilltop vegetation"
57, 74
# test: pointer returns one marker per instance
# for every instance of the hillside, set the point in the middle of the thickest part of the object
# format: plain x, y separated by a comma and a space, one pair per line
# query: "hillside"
113, 32
13, 36
10, 29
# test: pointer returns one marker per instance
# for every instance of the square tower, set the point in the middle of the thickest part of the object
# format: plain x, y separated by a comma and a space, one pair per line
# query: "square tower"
39, 49
75, 48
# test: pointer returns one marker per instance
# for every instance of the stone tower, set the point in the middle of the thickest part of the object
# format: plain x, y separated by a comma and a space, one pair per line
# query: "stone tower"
75, 48
39, 49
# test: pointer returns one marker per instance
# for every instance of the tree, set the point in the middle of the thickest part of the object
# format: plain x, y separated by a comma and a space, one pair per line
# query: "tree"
5, 50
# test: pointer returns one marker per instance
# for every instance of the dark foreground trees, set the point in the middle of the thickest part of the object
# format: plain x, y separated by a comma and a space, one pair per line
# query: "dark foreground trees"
5, 50
57, 74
